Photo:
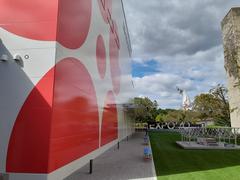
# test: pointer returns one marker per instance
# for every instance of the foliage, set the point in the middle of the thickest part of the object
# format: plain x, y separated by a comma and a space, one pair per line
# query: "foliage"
144, 109
221, 121
213, 105
220, 92
160, 118
172, 116
205, 104
209, 106
177, 116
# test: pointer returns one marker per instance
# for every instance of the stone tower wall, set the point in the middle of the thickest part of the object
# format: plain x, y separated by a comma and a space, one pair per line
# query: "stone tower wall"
231, 42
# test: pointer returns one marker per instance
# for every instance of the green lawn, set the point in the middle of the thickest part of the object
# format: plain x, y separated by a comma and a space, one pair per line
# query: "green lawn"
175, 163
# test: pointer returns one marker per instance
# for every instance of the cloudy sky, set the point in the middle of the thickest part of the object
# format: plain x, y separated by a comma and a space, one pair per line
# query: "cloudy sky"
176, 43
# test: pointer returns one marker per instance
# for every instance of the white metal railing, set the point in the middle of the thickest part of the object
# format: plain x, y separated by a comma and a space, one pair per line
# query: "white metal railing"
221, 134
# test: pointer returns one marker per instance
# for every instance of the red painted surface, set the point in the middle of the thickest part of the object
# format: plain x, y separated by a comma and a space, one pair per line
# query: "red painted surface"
50, 134
29, 18
114, 61
75, 125
59, 121
106, 9
28, 148
74, 21
109, 130
101, 56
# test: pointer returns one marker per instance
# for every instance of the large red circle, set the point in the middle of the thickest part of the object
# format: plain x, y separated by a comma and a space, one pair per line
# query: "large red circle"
75, 124
109, 130
58, 123
74, 22
33, 19
101, 56
106, 9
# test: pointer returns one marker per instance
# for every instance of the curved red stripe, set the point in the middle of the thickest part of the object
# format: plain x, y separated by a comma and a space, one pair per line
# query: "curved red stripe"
75, 123
53, 129
28, 148
109, 128
29, 18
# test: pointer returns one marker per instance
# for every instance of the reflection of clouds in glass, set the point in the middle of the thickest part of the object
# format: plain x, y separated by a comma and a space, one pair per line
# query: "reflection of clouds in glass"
127, 90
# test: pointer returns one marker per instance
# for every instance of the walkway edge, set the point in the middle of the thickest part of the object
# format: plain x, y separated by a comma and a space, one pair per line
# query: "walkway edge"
153, 165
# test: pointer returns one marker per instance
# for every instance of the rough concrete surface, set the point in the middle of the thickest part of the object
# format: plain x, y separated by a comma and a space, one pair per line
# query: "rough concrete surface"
231, 43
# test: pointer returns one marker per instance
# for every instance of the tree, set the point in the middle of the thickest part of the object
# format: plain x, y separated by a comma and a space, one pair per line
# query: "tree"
172, 115
144, 109
206, 105
213, 105
180, 116
160, 118
220, 93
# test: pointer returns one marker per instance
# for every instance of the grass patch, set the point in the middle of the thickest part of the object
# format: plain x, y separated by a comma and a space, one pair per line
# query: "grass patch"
175, 163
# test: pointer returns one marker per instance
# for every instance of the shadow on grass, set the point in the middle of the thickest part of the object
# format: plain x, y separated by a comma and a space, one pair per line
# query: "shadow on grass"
170, 159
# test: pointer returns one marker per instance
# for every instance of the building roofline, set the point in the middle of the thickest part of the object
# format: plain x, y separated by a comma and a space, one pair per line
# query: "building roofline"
226, 16
125, 19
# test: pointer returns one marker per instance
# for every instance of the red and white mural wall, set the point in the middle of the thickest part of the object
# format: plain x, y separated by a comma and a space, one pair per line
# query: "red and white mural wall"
60, 100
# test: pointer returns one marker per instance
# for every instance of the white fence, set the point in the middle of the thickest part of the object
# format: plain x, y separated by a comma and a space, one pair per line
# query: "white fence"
223, 134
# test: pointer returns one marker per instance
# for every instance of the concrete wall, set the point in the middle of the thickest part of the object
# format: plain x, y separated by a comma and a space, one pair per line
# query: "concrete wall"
231, 41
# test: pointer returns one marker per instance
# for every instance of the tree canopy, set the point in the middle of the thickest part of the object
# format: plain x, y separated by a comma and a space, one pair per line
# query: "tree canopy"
213, 105
144, 109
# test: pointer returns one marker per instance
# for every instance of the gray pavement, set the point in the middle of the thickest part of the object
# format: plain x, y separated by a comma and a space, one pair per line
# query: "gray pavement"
123, 164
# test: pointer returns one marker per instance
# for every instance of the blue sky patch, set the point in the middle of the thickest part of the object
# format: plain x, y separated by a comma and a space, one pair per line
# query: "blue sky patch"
144, 69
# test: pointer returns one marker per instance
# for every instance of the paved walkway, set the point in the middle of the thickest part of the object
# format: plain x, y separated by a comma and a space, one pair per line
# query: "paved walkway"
123, 164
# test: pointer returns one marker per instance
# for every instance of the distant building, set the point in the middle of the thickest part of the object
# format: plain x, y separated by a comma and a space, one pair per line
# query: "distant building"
231, 41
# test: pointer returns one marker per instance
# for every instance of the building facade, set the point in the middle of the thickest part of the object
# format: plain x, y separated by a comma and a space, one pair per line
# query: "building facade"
65, 73
231, 41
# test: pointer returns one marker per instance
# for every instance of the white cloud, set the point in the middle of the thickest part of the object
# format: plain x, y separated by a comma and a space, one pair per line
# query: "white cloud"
196, 73
184, 37
162, 87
